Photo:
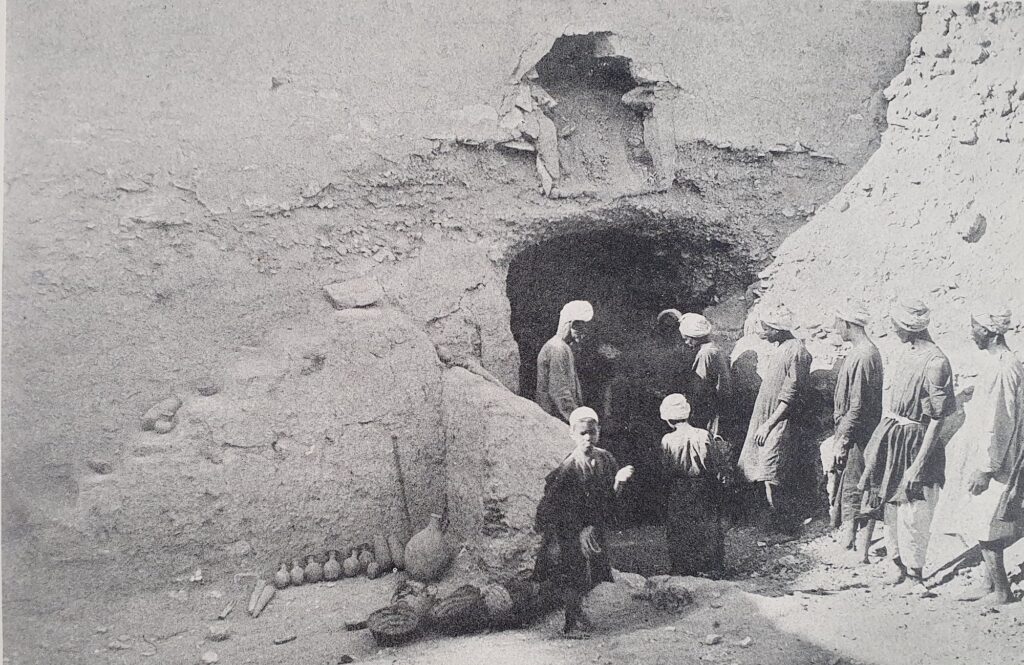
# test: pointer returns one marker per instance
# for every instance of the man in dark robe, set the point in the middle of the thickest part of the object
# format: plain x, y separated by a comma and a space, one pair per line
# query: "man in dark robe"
904, 467
858, 409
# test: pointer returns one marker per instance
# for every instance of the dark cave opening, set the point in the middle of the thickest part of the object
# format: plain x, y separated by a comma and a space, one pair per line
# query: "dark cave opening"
629, 362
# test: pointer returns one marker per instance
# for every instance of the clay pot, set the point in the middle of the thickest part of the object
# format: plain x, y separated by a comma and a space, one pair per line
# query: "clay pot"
281, 577
314, 571
365, 559
373, 570
397, 551
351, 565
382, 553
332, 569
297, 574
426, 555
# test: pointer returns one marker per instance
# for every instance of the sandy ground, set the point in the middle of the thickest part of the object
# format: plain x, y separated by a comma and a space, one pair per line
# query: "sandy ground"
797, 602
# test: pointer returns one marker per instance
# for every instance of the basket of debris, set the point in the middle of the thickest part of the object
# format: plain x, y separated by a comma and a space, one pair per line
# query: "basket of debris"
464, 611
393, 625
416, 596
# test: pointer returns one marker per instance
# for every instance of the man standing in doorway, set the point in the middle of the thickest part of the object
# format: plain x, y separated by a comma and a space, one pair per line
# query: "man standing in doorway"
708, 381
558, 385
772, 436
982, 457
904, 466
858, 409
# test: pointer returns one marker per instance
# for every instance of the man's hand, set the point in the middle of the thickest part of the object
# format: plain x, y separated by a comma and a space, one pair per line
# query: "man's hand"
842, 453
588, 542
761, 434
608, 351
911, 478
979, 482
624, 474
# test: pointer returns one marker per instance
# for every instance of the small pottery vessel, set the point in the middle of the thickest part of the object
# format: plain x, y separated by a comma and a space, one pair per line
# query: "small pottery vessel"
332, 569
351, 565
282, 578
382, 553
314, 571
297, 574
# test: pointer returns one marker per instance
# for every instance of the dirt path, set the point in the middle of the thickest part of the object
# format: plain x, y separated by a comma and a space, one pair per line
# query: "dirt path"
798, 607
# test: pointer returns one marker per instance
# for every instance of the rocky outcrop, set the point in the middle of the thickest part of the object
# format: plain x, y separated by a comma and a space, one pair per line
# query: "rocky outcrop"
498, 449
936, 211
297, 454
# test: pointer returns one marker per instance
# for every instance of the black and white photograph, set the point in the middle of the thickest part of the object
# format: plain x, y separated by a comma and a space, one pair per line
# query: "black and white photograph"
512, 332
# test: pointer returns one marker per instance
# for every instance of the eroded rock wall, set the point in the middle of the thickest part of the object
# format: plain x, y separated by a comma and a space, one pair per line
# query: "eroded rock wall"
936, 212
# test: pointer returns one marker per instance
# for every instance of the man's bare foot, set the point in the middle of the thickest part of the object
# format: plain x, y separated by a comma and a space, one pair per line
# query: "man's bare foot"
976, 592
895, 575
998, 599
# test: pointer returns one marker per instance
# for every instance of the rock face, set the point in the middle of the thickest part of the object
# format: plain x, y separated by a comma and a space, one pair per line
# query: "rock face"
936, 211
499, 448
295, 455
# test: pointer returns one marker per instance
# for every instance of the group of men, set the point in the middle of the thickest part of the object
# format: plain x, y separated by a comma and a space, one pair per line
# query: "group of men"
887, 455
891, 458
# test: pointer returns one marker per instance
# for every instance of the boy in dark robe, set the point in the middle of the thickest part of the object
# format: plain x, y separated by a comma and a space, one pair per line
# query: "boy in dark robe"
578, 503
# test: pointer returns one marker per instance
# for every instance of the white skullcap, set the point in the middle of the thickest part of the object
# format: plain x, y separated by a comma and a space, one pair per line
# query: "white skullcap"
675, 407
694, 325
779, 318
582, 413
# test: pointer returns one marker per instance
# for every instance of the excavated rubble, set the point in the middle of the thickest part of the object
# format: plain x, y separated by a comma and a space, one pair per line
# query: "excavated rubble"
936, 211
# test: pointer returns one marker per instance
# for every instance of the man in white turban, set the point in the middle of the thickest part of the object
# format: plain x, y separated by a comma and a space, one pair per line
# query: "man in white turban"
770, 449
857, 411
558, 385
983, 455
904, 468
708, 379
691, 470
577, 506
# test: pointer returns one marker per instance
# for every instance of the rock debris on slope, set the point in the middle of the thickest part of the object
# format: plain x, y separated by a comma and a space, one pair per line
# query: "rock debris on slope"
937, 210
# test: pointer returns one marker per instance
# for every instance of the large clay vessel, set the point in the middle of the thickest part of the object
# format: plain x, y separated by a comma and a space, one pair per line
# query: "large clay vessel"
426, 555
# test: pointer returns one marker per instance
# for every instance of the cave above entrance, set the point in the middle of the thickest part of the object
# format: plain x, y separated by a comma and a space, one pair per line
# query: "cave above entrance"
631, 360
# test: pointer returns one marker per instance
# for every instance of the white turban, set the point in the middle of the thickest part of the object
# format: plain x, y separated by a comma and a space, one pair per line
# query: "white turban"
694, 325
779, 318
582, 413
995, 319
577, 310
675, 407
911, 315
854, 312
674, 313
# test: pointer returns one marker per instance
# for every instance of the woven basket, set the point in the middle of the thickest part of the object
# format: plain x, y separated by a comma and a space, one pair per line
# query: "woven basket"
393, 625
462, 612
499, 603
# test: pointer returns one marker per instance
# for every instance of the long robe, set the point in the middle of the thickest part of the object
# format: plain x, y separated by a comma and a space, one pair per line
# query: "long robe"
786, 378
693, 526
558, 386
921, 390
991, 439
708, 387
574, 499
857, 412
